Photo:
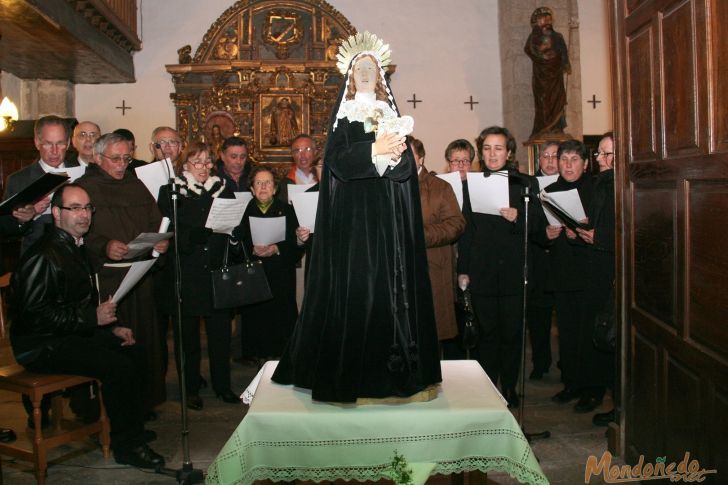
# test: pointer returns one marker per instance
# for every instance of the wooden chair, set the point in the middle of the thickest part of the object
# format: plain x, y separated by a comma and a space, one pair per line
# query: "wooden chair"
4, 283
14, 378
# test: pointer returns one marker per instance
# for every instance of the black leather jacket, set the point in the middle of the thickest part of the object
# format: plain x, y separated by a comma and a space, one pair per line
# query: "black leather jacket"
52, 295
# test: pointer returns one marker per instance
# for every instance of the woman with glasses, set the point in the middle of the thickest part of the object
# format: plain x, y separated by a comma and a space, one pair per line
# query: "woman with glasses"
460, 155
266, 326
598, 366
200, 252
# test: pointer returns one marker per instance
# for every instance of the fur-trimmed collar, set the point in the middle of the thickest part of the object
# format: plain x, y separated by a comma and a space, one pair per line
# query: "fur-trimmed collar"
188, 185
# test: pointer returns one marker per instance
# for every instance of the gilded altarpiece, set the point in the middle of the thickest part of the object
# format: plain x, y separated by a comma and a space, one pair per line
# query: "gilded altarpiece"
266, 71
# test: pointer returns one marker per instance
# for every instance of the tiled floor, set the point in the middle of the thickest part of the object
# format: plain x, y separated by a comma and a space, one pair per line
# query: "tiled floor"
562, 457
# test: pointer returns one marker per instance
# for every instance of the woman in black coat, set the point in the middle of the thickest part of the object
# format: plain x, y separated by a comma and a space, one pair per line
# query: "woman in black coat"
572, 266
491, 261
200, 252
599, 366
267, 326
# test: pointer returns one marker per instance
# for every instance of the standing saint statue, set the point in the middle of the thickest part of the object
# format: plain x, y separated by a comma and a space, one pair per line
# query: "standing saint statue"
547, 50
283, 124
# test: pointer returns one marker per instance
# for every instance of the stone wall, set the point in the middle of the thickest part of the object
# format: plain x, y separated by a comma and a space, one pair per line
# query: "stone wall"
514, 22
39, 97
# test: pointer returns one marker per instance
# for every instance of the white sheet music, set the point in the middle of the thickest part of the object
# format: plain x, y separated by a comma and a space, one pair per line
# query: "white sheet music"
488, 195
267, 230
546, 180
246, 197
305, 204
568, 201
75, 172
155, 174
135, 273
144, 242
225, 215
163, 226
453, 178
298, 188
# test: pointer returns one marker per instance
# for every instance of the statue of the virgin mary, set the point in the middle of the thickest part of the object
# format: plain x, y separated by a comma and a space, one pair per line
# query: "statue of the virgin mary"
367, 326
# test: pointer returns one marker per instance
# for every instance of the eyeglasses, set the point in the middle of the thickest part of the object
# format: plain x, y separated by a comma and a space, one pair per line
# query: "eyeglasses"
603, 154
296, 151
172, 143
60, 145
126, 159
460, 162
554, 156
262, 183
88, 134
199, 165
77, 209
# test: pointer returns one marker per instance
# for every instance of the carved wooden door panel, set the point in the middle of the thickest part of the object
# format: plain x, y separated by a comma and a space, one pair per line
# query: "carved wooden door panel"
671, 118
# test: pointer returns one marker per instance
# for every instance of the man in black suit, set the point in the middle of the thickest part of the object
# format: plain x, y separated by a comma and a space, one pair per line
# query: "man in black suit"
52, 137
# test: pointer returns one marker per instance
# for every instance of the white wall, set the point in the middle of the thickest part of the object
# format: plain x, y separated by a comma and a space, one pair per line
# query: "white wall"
444, 53
596, 75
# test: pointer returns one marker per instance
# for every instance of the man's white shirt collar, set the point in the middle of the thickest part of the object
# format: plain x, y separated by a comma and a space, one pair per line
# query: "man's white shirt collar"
48, 169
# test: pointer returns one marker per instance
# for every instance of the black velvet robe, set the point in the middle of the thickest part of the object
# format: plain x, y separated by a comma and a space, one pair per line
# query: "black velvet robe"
367, 327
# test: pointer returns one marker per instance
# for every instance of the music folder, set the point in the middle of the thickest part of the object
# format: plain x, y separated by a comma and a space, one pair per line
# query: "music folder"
43, 186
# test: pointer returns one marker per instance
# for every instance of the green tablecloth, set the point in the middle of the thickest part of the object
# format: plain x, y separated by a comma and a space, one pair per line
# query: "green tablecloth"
285, 436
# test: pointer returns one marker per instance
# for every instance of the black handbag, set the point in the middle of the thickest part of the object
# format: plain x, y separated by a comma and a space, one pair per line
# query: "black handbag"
605, 328
239, 284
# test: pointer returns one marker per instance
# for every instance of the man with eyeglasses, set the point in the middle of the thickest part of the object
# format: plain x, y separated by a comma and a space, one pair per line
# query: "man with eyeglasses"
51, 139
165, 143
304, 153
59, 326
126, 209
85, 135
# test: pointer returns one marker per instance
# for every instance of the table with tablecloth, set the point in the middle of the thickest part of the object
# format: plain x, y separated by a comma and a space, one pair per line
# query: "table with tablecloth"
286, 436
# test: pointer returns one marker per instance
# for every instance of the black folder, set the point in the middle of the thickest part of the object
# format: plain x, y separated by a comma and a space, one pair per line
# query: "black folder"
43, 186
564, 216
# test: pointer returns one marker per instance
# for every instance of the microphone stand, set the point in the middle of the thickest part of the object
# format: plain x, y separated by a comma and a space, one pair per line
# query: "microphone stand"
188, 474
526, 196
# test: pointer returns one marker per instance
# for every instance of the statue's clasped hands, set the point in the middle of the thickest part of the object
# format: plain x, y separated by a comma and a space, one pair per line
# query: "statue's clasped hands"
389, 144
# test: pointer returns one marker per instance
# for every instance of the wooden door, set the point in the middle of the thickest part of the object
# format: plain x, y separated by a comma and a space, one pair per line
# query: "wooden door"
670, 61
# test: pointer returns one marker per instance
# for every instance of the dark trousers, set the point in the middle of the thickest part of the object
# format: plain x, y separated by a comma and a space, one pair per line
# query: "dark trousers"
596, 368
120, 370
218, 328
500, 319
571, 316
539, 330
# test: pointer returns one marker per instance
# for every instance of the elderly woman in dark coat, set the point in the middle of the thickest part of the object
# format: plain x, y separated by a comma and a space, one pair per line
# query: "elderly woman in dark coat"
200, 251
266, 326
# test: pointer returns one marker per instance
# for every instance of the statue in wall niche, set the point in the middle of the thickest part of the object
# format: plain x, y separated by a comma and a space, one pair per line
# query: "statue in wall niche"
283, 124
185, 54
245, 126
550, 58
216, 140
